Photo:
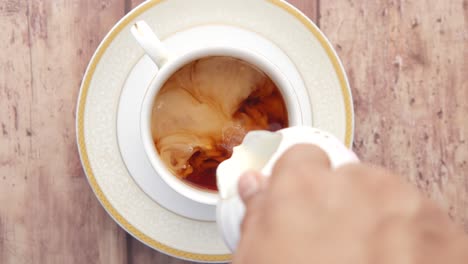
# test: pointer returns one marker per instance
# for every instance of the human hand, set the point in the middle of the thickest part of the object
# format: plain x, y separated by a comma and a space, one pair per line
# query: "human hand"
308, 213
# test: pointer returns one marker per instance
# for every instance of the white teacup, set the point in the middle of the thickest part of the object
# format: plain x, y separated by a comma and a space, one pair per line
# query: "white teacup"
168, 64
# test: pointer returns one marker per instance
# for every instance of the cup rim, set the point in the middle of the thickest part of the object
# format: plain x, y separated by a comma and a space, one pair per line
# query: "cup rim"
169, 68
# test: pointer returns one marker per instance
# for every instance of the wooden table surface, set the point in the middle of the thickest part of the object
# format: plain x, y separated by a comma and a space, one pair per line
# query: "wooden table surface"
406, 61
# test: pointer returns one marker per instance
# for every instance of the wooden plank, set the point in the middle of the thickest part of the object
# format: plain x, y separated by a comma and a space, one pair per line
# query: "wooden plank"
308, 7
406, 62
138, 252
134, 3
48, 213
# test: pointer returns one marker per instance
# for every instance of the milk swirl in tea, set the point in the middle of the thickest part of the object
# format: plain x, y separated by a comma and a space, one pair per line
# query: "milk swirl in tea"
205, 109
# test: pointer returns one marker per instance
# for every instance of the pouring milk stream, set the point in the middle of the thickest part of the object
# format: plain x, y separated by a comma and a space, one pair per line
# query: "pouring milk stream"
259, 150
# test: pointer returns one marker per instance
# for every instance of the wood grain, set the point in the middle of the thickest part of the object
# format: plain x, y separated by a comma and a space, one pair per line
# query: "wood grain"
48, 213
407, 64
308, 7
133, 3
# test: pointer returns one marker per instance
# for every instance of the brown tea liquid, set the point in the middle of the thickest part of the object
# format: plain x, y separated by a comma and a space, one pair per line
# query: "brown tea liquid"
205, 109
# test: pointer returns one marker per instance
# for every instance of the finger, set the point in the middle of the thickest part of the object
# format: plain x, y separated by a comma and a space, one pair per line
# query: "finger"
376, 182
249, 185
302, 157
370, 175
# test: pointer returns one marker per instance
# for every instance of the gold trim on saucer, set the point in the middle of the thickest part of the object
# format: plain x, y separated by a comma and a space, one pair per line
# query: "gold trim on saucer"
82, 104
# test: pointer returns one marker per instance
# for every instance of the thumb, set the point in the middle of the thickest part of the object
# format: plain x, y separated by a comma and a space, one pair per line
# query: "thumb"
249, 184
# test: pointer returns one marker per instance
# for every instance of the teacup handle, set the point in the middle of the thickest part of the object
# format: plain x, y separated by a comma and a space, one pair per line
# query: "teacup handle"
150, 43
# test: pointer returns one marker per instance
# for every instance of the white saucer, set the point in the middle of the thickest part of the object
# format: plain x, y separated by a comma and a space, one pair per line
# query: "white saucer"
107, 123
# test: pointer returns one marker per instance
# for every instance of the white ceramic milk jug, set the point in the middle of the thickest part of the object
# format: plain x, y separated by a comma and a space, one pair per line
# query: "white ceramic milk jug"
259, 151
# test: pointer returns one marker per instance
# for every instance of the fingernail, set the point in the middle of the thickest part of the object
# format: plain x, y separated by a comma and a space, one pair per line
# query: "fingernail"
248, 185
